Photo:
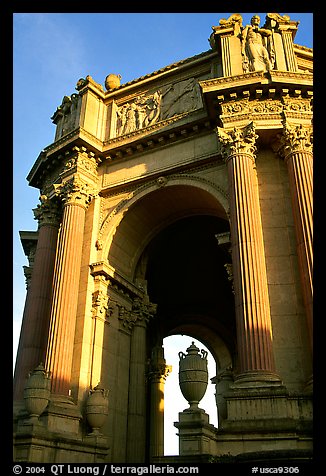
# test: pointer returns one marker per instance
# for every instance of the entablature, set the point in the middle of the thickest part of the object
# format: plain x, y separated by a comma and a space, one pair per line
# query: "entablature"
266, 98
115, 279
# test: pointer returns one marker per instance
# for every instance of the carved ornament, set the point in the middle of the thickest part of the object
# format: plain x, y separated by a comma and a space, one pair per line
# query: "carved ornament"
145, 111
295, 138
266, 109
75, 191
81, 160
237, 141
48, 212
102, 308
143, 311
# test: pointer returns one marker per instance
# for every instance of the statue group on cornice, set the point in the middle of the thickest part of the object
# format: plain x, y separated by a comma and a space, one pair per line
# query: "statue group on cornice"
257, 44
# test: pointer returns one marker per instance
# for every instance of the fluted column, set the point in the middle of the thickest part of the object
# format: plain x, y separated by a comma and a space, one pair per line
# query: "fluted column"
36, 317
142, 311
296, 148
254, 329
76, 196
157, 375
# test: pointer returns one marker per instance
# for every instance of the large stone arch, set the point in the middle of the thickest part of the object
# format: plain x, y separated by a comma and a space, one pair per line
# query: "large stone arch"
152, 207
143, 215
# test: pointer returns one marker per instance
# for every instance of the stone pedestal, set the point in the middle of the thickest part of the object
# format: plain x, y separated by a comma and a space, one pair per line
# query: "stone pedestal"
196, 434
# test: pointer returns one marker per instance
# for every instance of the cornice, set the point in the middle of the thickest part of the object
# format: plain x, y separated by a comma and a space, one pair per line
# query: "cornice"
171, 68
116, 280
256, 78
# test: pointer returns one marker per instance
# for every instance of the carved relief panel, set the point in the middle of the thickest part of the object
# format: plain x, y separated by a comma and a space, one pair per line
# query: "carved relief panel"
147, 109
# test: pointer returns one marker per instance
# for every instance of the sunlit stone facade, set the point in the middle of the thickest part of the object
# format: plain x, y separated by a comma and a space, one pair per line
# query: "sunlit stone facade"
179, 202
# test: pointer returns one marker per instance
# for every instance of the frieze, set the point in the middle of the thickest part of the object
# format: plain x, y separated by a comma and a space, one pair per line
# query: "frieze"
265, 109
175, 99
121, 140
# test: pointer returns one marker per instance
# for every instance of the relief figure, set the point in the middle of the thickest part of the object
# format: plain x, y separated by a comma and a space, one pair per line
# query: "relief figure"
180, 97
143, 112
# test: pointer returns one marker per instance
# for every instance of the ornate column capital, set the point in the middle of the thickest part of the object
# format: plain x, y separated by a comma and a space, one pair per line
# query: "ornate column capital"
142, 311
48, 212
295, 138
237, 141
102, 308
157, 368
75, 191
126, 319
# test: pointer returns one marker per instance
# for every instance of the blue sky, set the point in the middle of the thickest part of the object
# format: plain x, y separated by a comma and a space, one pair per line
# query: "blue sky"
51, 51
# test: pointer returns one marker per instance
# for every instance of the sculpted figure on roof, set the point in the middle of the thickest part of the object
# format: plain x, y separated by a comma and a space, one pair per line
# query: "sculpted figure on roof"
257, 48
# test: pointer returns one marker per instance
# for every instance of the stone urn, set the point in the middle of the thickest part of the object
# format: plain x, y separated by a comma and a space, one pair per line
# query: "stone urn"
37, 392
97, 408
193, 375
112, 81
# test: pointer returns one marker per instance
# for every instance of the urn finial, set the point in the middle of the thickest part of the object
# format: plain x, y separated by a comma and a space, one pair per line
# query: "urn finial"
193, 375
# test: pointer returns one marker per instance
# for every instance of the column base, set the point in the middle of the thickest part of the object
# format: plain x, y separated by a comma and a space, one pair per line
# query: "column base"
62, 415
254, 379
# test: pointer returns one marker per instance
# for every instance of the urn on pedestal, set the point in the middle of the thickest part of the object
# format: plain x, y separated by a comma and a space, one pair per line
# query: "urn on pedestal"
193, 375
37, 392
97, 408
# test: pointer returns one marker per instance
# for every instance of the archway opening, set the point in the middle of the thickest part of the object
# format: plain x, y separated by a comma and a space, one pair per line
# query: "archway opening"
186, 277
174, 402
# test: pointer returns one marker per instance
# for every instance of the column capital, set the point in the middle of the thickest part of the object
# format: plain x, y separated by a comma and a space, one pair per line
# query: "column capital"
295, 138
48, 212
239, 140
142, 311
75, 191
102, 307
157, 368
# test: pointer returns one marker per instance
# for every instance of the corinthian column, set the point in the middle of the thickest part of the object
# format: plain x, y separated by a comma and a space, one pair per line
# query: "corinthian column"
36, 317
136, 434
296, 148
76, 196
254, 329
157, 375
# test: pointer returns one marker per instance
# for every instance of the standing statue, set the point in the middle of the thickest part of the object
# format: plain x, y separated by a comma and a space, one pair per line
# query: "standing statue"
257, 56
